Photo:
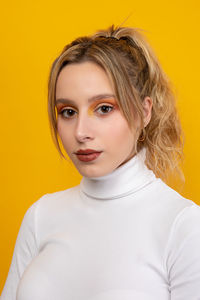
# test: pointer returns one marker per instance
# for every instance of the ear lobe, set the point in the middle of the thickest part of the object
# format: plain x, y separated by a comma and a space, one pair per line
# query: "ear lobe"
147, 109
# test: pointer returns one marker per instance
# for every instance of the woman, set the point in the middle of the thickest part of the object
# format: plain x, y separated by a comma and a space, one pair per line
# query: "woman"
121, 234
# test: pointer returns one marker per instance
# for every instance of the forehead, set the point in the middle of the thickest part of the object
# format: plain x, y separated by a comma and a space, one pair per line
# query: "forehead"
83, 78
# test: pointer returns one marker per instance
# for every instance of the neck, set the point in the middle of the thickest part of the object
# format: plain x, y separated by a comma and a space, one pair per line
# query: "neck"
126, 179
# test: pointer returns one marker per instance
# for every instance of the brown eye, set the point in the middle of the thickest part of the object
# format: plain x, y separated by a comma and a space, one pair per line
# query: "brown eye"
67, 113
104, 109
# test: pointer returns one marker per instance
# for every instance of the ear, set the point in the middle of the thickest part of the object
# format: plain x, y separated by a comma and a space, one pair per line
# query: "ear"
147, 108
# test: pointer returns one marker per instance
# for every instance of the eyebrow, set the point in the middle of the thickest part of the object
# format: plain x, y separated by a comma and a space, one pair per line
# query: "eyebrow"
92, 99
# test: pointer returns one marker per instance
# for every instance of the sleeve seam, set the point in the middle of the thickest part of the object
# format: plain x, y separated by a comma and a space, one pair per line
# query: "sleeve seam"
172, 230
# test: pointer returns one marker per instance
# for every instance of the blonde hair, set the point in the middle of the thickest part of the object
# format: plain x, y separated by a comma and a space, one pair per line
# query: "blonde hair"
136, 73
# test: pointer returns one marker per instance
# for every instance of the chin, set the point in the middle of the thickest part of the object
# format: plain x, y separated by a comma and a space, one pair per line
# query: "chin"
92, 171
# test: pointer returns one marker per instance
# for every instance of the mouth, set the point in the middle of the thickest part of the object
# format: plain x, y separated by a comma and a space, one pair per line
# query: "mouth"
87, 151
86, 157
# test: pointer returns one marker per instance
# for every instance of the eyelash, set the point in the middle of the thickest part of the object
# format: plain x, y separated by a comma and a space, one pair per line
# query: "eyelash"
70, 109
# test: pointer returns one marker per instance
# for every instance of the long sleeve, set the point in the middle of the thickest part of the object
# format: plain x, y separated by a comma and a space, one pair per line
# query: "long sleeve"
183, 255
24, 251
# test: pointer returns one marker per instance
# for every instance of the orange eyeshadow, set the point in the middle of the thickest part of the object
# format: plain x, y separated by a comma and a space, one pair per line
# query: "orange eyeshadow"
106, 101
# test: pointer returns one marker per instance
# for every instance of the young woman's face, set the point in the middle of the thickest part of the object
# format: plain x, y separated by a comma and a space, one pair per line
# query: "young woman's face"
89, 118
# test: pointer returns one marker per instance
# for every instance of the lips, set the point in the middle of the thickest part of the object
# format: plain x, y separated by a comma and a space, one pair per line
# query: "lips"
87, 151
87, 155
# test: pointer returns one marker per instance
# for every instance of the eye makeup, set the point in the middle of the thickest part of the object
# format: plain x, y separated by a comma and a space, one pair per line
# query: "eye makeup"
109, 102
105, 102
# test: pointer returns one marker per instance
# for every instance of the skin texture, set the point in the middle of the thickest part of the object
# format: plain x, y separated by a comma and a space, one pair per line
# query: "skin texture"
96, 123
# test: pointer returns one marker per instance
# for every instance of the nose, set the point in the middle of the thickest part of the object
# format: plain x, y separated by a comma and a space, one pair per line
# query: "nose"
83, 130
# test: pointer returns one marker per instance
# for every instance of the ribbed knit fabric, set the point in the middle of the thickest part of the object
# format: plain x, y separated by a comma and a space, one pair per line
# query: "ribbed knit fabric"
122, 236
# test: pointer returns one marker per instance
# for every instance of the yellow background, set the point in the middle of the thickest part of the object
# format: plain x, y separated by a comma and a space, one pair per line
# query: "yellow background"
32, 35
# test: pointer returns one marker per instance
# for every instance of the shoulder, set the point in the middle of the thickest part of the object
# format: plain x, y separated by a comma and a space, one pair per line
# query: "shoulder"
51, 211
186, 224
175, 214
183, 218
51, 204
64, 197
182, 253
167, 201
166, 193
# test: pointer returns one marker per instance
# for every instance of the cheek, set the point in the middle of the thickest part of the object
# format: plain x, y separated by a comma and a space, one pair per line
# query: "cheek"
64, 134
122, 135
60, 129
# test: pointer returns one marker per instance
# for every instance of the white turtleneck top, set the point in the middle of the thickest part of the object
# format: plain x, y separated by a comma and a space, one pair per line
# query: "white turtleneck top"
122, 236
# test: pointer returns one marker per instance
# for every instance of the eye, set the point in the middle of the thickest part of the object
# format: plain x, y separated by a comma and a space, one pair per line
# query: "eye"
67, 113
104, 109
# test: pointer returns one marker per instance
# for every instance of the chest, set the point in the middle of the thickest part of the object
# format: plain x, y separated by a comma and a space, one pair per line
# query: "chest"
98, 258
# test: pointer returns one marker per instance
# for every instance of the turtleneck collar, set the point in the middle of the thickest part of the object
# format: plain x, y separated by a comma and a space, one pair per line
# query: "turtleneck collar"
126, 179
